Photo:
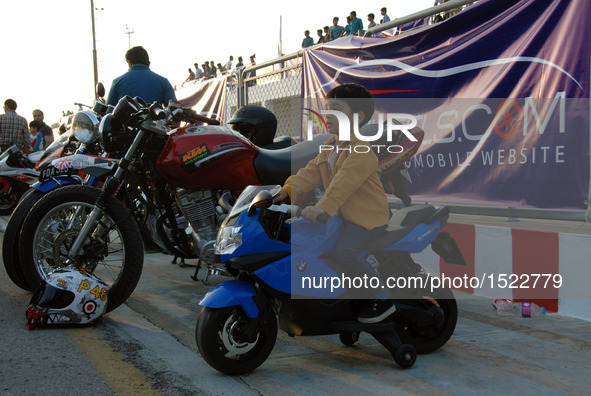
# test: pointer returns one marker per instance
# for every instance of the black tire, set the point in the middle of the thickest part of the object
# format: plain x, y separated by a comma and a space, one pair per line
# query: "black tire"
405, 356
10, 242
349, 338
9, 201
115, 256
219, 335
430, 338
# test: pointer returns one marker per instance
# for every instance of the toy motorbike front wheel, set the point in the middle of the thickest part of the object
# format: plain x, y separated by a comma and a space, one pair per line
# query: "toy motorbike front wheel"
229, 344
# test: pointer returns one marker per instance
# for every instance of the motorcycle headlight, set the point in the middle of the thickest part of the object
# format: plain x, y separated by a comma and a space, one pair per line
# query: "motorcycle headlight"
229, 239
85, 126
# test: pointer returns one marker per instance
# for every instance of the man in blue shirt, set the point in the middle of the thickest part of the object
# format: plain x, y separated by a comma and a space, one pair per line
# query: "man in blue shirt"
356, 24
336, 31
385, 17
307, 41
141, 81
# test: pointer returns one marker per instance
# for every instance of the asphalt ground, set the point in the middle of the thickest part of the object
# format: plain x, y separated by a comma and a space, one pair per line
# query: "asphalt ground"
147, 346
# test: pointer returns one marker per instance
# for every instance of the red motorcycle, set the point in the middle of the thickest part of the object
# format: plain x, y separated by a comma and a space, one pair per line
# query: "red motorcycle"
188, 176
17, 174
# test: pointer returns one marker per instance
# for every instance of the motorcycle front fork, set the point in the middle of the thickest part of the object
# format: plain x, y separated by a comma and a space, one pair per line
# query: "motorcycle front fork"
110, 187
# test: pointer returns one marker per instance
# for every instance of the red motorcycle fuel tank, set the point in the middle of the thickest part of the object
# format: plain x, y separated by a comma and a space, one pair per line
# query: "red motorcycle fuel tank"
208, 157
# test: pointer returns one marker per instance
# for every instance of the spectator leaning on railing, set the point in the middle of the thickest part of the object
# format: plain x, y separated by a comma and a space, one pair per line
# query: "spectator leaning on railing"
307, 41
385, 17
336, 31
356, 24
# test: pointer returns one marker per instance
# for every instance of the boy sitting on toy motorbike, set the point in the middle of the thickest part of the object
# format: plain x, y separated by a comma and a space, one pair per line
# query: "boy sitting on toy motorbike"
349, 174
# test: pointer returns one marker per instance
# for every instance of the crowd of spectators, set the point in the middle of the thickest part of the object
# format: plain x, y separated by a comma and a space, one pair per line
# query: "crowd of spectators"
209, 69
354, 27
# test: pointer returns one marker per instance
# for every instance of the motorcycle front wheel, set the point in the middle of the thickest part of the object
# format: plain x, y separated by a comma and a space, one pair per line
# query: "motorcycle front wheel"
229, 345
113, 251
10, 242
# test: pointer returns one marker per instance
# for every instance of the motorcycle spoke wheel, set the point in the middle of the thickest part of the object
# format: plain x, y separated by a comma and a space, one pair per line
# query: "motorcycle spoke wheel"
113, 251
223, 340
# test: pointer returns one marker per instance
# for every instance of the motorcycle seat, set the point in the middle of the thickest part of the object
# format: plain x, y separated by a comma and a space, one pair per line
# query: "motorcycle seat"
402, 222
275, 166
280, 142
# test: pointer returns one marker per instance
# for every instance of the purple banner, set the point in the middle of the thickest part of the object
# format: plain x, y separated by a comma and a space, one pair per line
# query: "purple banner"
501, 90
207, 97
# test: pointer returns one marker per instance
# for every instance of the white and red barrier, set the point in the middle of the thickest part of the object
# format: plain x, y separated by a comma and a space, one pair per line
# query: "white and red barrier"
503, 262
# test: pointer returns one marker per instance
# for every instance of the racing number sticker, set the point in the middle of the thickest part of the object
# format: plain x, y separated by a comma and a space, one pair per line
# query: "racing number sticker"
97, 292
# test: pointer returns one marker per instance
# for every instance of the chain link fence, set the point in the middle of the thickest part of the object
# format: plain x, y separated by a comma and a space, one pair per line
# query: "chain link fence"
275, 85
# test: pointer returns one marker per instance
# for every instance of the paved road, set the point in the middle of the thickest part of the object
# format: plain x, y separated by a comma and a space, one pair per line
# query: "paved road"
148, 347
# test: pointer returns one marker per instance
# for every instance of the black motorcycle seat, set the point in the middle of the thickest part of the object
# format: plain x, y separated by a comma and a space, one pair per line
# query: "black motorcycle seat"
275, 166
280, 142
402, 222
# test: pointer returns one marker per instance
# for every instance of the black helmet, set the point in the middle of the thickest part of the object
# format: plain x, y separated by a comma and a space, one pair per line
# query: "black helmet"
256, 123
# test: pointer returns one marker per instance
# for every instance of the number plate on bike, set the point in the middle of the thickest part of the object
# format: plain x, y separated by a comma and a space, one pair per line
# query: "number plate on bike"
51, 172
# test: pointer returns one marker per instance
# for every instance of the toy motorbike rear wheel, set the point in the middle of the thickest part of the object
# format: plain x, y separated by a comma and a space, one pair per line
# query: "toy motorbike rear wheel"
227, 343
429, 338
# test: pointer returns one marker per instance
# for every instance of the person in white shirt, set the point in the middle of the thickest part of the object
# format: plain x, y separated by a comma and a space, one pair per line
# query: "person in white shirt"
198, 71
228, 65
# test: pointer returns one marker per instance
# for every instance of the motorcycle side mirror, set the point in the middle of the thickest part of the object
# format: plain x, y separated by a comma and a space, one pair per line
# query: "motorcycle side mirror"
100, 90
263, 199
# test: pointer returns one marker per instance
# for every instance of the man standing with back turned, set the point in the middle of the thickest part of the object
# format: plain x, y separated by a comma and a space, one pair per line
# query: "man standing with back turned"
141, 81
14, 129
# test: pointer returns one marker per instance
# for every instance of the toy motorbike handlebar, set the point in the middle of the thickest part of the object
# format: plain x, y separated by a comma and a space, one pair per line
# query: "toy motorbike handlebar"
323, 218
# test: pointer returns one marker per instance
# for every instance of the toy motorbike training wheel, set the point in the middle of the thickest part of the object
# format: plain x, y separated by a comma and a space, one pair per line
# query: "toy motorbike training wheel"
350, 338
113, 251
432, 336
229, 345
405, 356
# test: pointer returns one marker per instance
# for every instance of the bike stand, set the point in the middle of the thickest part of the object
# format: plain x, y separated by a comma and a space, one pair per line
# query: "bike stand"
194, 276
182, 263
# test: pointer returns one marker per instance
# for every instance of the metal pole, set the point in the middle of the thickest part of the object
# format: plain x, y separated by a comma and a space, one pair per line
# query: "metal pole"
94, 55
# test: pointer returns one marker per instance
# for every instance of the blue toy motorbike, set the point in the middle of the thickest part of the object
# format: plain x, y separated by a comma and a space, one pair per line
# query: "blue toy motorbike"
285, 276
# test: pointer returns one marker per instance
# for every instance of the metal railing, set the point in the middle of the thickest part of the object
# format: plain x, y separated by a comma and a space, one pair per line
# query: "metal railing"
441, 8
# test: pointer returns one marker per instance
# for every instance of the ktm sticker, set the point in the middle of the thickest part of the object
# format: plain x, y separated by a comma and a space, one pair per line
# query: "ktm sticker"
194, 155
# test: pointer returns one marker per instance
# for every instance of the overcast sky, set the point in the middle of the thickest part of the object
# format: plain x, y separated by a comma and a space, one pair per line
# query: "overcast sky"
47, 45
